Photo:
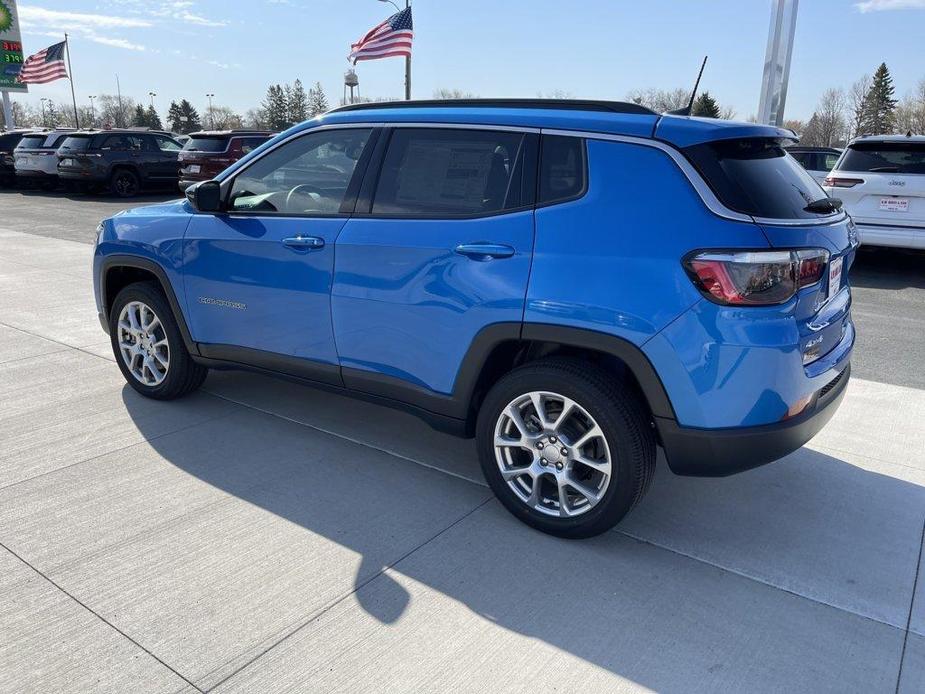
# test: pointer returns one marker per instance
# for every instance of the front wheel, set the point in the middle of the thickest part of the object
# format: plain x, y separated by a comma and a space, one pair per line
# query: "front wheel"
565, 446
124, 183
148, 345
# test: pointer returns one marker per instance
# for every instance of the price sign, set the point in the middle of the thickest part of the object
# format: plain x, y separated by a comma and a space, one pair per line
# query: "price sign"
11, 55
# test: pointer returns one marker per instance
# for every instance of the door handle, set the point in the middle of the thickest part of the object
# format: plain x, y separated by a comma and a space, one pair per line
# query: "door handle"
484, 251
304, 243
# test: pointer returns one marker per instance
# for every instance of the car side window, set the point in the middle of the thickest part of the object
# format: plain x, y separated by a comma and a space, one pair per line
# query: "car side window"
115, 143
249, 144
165, 144
309, 175
448, 172
829, 161
562, 168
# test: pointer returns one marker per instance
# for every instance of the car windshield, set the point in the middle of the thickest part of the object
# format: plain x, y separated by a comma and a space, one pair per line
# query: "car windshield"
885, 157
31, 142
757, 177
208, 143
76, 143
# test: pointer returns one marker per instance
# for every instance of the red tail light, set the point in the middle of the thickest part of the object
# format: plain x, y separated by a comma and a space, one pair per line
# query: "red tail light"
836, 182
755, 278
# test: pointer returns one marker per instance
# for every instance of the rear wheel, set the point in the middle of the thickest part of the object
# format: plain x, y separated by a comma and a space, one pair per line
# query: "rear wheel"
124, 183
566, 447
148, 345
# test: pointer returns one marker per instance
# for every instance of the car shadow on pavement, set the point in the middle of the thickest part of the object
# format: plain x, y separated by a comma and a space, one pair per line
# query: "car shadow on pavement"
888, 268
666, 600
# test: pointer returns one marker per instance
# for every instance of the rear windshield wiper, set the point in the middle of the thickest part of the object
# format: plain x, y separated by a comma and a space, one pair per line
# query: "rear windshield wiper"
824, 205
884, 169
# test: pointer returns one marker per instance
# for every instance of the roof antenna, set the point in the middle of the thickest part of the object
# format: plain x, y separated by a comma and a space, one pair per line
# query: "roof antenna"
686, 111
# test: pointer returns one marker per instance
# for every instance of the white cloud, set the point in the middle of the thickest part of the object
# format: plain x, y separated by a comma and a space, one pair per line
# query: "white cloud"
885, 5
32, 16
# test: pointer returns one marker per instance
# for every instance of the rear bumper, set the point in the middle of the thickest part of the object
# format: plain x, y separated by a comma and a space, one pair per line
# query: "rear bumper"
36, 174
721, 452
892, 235
89, 175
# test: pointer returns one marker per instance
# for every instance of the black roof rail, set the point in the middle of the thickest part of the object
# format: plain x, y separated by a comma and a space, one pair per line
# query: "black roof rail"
560, 104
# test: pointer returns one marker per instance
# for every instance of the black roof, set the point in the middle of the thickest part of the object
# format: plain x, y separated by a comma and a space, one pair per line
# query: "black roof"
559, 104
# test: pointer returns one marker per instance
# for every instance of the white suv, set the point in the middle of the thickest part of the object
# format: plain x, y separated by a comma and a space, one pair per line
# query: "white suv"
881, 180
35, 157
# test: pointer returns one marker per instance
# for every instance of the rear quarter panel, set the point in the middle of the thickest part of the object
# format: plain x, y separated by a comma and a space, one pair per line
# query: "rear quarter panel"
611, 260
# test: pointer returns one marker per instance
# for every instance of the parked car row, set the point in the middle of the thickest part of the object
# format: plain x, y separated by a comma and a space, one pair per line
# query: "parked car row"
124, 162
880, 181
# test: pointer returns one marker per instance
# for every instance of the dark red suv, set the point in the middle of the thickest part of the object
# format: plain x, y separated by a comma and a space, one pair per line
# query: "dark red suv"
209, 152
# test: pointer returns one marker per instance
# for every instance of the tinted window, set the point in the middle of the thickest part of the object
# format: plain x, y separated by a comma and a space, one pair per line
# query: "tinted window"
562, 168
432, 172
828, 161
886, 157
8, 142
307, 176
75, 144
206, 144
123, 143
803, 157
755, 176
165, 144
249, 144
31, 142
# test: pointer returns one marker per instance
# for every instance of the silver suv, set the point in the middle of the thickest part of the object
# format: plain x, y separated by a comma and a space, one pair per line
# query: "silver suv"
881, 180
35, 157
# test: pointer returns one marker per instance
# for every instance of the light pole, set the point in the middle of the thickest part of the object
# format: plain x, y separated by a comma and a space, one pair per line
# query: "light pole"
44, 119
152, 95
407, 57
211, 119
92, 97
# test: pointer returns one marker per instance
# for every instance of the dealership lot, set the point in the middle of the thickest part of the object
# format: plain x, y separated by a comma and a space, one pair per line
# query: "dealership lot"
261, 536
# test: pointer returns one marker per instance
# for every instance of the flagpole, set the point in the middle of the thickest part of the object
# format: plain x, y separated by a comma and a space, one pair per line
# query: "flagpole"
70, 78
407, 66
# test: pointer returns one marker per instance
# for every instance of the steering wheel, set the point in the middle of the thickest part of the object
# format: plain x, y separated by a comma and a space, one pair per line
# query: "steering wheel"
308, 187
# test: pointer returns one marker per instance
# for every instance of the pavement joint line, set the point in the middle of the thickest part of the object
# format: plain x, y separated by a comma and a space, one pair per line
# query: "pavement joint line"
825, 448
915, 583
335, 602
349, 438
31, 356
101, 618
742, 574
51, 339
144, 440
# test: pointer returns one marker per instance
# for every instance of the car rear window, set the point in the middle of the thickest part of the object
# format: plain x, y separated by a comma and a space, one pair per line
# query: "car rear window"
7, 142
756, 177
76, 143
885, 157
31, 142
206, 144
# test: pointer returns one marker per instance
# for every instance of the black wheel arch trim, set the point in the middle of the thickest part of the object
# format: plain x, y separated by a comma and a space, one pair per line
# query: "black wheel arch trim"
111, 262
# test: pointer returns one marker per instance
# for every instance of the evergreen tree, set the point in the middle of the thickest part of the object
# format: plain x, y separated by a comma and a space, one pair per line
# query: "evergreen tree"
317, 101
182, 117
705, 106
276, 108
139, 119
879, 116
152, 120
297, 102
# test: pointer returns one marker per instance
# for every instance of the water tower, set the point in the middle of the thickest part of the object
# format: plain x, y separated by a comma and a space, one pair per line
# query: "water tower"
352, 82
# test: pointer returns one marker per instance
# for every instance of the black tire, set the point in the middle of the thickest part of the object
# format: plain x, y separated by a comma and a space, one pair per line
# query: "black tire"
124, 183
618, 411
183, 374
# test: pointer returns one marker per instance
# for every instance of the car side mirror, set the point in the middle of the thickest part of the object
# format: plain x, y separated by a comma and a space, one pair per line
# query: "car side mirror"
205, 196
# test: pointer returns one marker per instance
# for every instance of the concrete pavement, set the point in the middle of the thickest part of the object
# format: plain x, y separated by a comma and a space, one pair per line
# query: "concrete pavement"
260, 536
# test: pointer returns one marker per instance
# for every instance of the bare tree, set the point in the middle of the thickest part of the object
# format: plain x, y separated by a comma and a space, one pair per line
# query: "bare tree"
830, 114
447, 94
727, 113
910, 111
795, 125
857, 100
660, 100
555, 94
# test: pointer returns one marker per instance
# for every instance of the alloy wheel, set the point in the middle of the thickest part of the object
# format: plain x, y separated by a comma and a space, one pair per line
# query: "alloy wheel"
143, 343
552, 454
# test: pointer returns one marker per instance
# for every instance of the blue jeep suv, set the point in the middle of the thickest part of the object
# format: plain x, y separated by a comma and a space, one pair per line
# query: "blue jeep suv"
573, 283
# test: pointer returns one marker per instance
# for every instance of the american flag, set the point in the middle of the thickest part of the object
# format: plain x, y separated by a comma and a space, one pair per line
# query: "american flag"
45, 66
392, 37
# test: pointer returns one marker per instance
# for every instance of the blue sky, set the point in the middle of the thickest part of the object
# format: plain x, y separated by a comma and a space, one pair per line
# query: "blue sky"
593, 48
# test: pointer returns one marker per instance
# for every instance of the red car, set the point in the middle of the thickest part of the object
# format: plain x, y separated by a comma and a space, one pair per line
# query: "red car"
209, 152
